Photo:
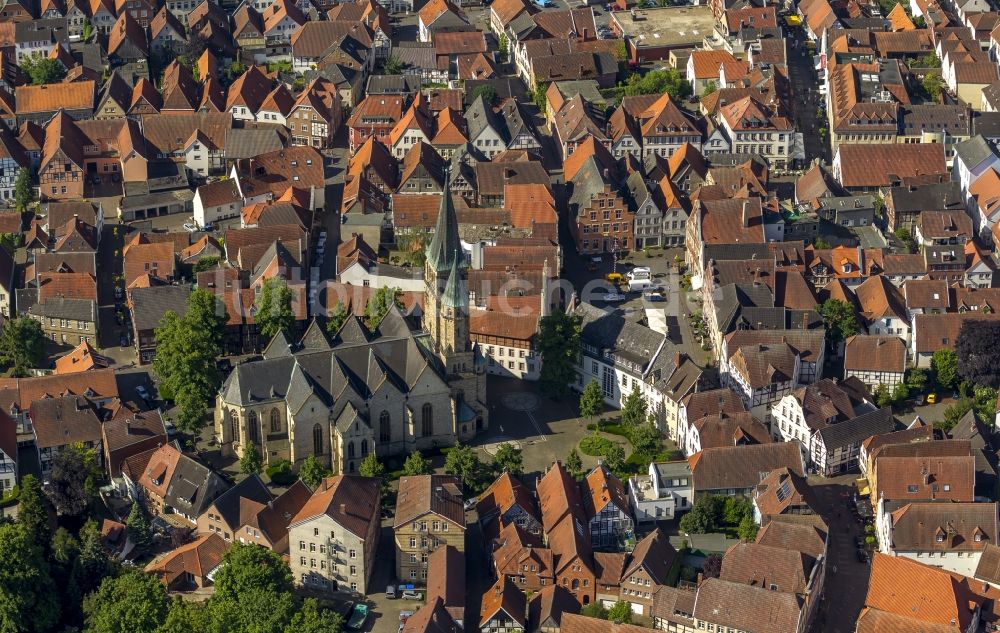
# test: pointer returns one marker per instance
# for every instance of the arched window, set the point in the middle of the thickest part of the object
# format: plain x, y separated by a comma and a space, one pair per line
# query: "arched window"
253, 428
427, 420
234, 427
575, 584
350, 467
586, 600
317, 439
364, 448
384, 428
350, 451
275, 421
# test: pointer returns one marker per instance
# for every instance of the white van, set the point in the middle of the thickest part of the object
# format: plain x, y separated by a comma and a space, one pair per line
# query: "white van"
638, 285
640, 272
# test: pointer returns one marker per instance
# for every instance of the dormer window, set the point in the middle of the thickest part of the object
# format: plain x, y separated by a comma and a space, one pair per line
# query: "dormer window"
979, 537
847, 267
940, 537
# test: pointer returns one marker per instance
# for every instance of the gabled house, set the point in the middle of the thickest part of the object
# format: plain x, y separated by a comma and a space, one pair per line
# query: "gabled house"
507, 501
608, 513
173, 483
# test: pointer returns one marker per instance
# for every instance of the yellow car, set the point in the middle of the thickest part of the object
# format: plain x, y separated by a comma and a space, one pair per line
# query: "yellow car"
932, 398
615, 278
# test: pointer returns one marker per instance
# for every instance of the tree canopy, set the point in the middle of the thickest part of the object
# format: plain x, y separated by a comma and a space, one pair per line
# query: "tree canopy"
657, 82
73, 479
840, 319
978, 352
29, 600
558, 344
22, 345
274, 309
417, 464
508, 459
591, 400
311, 472
371, 467
186, 350
43, 70
379, 304
463, 462
134, 602
944, 364
24, 190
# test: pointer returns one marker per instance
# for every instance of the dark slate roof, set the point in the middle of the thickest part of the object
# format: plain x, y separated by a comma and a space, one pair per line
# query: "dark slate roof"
479, 116
858, 429
150, 304
610, 331
193, 487
975, 150
391, 85
722, 252
61, 308
228, 503
986, 124
937, 196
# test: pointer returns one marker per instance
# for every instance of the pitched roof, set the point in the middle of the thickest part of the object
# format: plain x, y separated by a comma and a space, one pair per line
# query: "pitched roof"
64, 420
887, 165
503, 494
944, 527
350, 500
198, 558
742, 466
767, 567
426, 494
601, 488
746, 607
446, 579
875, 353
919, 478
904, 587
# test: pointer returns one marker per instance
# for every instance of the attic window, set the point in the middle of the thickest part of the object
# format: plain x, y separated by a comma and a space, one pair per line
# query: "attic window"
309, 161
295, 163
979, 537
940, 537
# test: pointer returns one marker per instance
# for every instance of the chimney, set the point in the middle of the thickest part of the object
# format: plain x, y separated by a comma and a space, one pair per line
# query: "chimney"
678, 357
586, 33
343, 508
128, 426
607, 173
746, 213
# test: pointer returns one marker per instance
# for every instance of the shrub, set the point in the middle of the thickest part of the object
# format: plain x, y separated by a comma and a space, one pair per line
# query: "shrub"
594, 445
280, 473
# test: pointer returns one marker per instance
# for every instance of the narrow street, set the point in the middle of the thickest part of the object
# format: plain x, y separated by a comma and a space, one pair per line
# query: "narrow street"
846, 576
806, 98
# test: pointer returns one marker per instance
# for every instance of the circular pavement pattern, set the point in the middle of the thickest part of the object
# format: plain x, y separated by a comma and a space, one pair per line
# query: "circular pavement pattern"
520, 401
492, 448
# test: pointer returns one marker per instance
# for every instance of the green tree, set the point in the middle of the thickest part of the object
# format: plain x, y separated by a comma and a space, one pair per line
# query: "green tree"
574, 464
953, 414
10, 242
24, 190
250, 461
558, 344
274, 309
185, 616
703, 517
417, 464
502, 47
134, 602
22, 345
657, 82
594, 610
28, 598
916, 380
337, 318
73, 479
508, 459
392, 66
735, 509
634, 409
371, 467
207, 312
65, 547
944, 364
933, 84
379, 303
646, 440
840, 319
311, 619
186, 352
33, 510
88, 29
487, 92
620, 611
900, 393
43, 70
614, 458
747, 530
250, 567
539, 97
92, 565
881, 396
206, 263
710, 87
463, 462
138, 529
591, 400
312, 473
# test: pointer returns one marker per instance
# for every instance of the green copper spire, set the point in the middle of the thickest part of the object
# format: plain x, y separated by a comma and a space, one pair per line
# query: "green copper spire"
445, 245
455, 293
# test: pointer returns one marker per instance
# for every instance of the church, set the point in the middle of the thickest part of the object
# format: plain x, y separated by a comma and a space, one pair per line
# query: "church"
391, 390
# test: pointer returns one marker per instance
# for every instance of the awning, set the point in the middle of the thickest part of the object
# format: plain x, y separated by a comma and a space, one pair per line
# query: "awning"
862, 486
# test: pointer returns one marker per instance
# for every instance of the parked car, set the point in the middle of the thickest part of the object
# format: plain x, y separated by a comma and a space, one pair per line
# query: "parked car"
862, 556
405, 615
615, 278
390, 592
412, 595
190, 227
358, 617
614, 297
142, 393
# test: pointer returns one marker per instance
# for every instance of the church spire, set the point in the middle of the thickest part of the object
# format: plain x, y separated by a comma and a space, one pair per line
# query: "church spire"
445, 245
455, 293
